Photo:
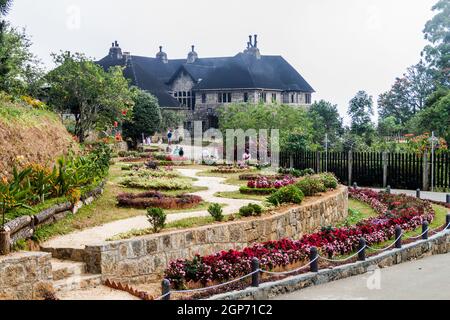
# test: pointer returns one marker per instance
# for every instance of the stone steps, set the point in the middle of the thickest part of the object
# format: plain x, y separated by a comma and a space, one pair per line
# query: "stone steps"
71, 275
62, 269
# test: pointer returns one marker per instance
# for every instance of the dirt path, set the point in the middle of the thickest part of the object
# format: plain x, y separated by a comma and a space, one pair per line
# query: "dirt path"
98, 235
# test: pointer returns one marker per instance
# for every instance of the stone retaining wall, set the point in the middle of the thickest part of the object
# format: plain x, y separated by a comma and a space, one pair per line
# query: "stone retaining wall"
25, 276
144, 259
437, 244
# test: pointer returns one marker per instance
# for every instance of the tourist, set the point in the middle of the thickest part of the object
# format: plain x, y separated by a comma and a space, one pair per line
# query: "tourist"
181, 152
169, 136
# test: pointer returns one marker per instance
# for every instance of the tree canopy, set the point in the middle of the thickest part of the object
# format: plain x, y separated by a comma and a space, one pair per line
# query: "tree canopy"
96, 97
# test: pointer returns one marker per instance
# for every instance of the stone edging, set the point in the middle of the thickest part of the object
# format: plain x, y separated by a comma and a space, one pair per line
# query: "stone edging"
437, 244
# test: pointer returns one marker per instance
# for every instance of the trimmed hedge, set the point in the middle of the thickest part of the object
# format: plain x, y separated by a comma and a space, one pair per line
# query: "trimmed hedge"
257, 191
156, 199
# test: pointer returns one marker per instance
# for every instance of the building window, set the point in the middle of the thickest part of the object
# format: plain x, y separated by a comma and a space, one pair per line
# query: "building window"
274, 97
285, 98
245, 96
308, 98
263, 97
224, 97
185, 98
203, 97
293, 98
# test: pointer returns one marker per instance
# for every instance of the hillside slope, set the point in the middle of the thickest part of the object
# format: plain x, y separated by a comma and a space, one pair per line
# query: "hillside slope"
31, 134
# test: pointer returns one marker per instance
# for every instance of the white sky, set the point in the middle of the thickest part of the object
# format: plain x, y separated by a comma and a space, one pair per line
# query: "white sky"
339, 46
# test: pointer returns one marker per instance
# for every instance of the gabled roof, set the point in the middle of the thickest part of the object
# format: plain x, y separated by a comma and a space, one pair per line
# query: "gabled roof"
238, 72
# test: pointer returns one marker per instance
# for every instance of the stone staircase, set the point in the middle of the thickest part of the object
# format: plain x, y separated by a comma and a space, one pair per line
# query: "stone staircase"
71, 275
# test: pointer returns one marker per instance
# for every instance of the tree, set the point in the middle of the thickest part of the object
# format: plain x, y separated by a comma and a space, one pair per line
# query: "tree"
146, 118
20, 70
360, 110
408, 95
171, 119
325, 119
5, 5
437, 32
289, 120
95, 97
435, 117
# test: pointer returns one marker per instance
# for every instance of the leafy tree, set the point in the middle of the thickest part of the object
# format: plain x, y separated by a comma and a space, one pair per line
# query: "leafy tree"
171, 119
5, 5
20, 70
146, 118
360, 110
435, 117
96, 97
289, 120
388, 127
408, 95
325, 119
437, 32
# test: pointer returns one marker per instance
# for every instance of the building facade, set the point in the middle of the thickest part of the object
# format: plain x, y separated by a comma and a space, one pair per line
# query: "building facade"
198, 86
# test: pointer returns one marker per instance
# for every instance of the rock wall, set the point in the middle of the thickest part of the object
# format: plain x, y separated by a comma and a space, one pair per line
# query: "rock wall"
25, 276
145, 258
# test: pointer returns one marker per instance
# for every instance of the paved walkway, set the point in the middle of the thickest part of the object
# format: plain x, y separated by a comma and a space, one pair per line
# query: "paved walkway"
98, 235
423, 279
435, 196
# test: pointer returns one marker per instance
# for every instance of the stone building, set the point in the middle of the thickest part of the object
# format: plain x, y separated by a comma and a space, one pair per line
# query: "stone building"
197, 86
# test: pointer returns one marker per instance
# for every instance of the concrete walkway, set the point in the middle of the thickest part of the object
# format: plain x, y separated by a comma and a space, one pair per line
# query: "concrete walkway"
435, 196
423, 279
98, 235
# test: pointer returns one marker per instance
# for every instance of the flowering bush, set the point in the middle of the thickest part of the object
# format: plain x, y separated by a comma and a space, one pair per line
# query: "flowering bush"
266, 183
157, 199
394, 210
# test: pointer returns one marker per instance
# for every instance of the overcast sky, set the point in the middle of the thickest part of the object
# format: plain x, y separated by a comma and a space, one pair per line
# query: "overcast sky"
339, 46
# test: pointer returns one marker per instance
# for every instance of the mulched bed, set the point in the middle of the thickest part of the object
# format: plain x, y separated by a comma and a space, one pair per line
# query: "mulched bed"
156, 199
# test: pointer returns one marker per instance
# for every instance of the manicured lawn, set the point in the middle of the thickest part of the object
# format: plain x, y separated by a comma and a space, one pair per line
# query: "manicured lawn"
104, 209
357, 211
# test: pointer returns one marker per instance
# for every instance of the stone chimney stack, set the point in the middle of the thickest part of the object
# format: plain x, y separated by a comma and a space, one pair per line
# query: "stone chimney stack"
162, 56
252, 47
115, 52
192, 56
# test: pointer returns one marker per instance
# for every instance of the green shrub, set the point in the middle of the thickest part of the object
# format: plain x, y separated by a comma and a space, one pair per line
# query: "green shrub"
215, 210
250, 210
257, 191
157, 218
288, 194
329, 180
311, 186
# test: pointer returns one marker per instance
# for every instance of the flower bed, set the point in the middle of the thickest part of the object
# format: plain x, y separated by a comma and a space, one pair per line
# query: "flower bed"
156, 199
254, 176
231, 169
394, 210
146, 173
258, 191
155, 183
265, 183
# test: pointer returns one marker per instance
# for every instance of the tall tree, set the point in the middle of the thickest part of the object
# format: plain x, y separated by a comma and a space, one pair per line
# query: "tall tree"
146, 118
96, 97
360, 111
437, 32
5, 5
408, 94
325, 119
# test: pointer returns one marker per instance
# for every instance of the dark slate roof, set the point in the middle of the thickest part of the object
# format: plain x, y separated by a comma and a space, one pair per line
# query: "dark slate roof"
241, 71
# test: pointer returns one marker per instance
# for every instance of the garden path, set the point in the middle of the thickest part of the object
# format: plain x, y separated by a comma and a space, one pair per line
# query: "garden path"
98, 235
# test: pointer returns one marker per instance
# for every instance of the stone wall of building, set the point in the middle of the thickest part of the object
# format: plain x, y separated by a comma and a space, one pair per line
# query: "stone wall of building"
25, 276
145, 258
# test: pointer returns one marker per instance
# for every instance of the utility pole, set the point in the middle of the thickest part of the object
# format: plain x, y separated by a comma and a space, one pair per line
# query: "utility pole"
433, 140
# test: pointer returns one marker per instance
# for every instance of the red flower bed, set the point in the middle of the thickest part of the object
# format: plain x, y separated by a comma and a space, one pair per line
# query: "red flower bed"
404, 211
156, 199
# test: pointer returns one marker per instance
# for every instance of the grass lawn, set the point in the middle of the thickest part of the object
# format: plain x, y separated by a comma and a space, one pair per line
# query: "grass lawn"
240, 196
104, 209
357, 211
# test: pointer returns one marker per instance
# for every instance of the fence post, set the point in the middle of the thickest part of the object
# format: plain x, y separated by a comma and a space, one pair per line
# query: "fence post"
291, 161
426, 173
255, 276
388, 190
385, 168
398, 241
318, 162
165, 289
447, 222
448, 199
418, 193
313, 256
425, 230
5, 242
350, 167
362, 249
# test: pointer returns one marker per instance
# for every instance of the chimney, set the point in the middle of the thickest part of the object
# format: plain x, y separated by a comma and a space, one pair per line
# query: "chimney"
192, 56
252, 47
256, 41
115, 52
162, 56
251, 40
